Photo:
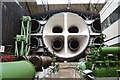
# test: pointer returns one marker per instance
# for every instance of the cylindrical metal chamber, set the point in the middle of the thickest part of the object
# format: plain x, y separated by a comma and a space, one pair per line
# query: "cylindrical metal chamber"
66, 26
57, 44
35, 26
74, 44
96, 26
40, 61
34, 43
17, 70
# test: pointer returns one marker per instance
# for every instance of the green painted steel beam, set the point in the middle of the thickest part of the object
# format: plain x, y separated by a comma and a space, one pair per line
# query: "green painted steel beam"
24, 38
18, 70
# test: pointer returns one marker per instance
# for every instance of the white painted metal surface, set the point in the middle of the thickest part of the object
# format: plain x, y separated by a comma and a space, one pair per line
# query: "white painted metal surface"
65, 20
109, 7
112, 31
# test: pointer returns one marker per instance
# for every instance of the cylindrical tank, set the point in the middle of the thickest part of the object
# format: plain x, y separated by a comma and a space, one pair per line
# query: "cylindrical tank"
110, 50
57, 45
66, 26
96, 26
34, 43
35, 26
18, 70
74, 45
36, 61
40, 61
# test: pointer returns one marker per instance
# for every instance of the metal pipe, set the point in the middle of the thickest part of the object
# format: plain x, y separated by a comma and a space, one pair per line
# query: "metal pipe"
40, 61
34, 43
46, 60
36, 61
110, 50
97, 40
96, 26
57, 29
19, 70
73, 29
57, 45
35, 26
73, 45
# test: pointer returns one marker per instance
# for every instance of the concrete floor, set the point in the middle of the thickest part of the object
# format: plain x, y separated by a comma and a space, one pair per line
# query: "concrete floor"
67, 71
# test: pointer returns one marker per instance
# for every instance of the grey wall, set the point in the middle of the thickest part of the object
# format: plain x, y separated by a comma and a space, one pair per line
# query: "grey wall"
11, 14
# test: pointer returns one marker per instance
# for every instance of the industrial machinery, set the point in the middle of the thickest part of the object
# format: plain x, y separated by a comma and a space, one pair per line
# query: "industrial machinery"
40, 61
67, 33
23, 66
100, 62
67, 36
22, 43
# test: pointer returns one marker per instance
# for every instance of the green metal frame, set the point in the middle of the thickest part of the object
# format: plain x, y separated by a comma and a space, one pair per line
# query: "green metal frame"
22, 43
102, 61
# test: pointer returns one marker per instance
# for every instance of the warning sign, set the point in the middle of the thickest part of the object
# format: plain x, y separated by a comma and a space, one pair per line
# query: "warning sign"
2, 48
